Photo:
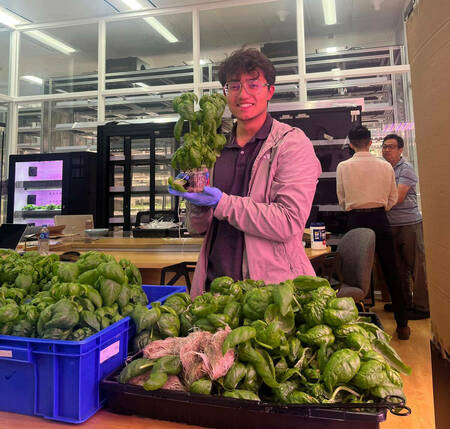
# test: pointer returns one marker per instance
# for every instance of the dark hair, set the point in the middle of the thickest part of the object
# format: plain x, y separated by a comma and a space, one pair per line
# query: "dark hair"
246, 60
359, 136
400, 142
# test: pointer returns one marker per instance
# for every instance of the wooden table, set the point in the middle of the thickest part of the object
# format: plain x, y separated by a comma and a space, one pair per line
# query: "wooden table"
150, 254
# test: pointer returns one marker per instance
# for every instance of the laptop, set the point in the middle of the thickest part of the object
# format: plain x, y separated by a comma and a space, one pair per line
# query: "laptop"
10, 235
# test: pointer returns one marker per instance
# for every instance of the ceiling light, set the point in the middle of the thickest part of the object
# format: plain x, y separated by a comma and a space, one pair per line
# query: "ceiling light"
11, 19
33, 79
161, 29
51, 41
133, 4
331, 50
141, 84
136, 5
329, 12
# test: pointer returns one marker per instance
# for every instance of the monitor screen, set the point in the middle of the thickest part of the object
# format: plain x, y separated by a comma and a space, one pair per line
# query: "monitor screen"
10, 235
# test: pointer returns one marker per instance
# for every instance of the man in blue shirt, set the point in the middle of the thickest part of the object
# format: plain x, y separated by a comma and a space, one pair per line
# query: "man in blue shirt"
406, 223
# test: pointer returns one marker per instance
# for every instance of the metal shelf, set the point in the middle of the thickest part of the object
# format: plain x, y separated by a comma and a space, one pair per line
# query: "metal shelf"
29, 129
33, 214
39, 184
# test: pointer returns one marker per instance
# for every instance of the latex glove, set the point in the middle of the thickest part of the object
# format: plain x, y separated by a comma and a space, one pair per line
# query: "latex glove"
183, 176
210, 196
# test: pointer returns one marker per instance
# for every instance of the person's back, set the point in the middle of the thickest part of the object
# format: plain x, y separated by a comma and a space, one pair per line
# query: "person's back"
365, 182
366, 188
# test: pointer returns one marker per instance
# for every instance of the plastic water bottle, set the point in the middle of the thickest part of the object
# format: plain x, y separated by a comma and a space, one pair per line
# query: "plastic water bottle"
43, 242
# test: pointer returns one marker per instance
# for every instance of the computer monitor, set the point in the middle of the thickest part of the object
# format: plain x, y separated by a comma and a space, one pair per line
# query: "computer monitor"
10, 235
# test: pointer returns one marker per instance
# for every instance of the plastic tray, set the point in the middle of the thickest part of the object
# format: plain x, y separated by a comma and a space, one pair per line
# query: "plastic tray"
149, 233
59, 380
226, 413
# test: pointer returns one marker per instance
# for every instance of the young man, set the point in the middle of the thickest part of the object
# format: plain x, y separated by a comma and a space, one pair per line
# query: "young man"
406, 224
263, 186
366, 189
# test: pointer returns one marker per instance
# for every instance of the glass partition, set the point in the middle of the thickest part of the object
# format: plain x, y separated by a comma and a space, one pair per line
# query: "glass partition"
73, 124
30, 130
337, 25
270, 27
51, 126
4, 60
142, 106
149, 51
58, 60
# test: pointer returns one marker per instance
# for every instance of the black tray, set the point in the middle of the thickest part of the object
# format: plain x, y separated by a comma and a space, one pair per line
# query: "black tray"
226, 413
149, 233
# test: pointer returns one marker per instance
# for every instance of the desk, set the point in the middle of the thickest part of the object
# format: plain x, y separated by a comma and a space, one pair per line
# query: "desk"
150, 254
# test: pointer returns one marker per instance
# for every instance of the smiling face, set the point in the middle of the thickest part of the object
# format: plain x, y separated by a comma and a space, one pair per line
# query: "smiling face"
248, 104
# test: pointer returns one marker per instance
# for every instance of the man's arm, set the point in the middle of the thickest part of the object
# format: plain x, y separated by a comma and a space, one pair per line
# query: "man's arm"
340, 187
402, 191
393, 193
407, 178
291, 194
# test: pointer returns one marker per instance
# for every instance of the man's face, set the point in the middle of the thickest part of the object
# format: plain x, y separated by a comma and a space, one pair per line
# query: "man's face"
391, 152
250, 100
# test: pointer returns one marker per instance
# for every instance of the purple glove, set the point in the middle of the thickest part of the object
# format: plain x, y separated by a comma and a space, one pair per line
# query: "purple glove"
210, 196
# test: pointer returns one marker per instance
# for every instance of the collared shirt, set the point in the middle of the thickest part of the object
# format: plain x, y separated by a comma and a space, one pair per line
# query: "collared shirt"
406, 212
365, 181
232, 175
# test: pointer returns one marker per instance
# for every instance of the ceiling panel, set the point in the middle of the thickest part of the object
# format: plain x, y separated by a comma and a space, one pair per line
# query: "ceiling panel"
363, 16
231, 26
58, 10
142, 40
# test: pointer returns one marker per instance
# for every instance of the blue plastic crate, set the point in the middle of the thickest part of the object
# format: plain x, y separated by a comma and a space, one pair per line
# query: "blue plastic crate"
59, 380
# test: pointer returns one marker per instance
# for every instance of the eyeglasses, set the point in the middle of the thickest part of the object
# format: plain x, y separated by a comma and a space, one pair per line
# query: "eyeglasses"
389, 147
252, 86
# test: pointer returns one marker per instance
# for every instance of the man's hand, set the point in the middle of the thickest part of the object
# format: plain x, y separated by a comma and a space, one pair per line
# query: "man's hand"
209, 197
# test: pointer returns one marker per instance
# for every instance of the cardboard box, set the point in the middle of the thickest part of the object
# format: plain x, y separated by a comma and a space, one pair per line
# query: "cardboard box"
428, 30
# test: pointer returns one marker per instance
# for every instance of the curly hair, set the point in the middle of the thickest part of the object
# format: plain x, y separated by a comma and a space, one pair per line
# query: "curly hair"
246, 60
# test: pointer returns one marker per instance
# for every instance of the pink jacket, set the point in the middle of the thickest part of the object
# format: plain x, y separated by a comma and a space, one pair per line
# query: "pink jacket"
273, 214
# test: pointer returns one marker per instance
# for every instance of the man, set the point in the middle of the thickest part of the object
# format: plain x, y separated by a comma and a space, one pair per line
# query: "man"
366, 189
406, 224
264, 183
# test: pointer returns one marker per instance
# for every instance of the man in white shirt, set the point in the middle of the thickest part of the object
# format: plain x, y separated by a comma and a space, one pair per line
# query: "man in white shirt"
366, 188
